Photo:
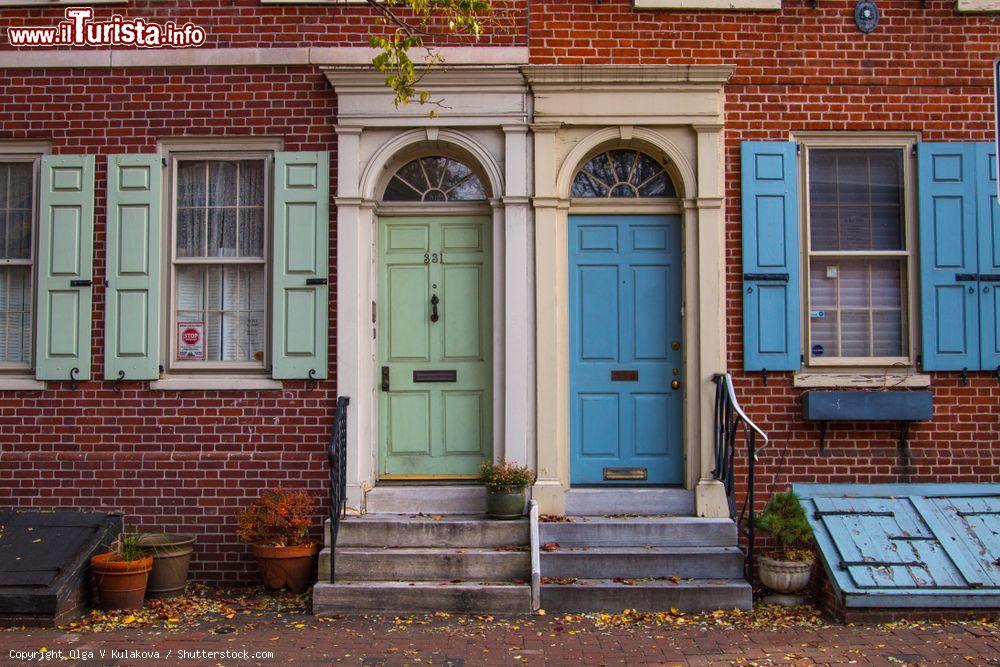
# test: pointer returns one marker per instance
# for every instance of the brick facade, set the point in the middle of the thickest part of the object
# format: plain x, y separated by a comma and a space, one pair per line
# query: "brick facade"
186, 461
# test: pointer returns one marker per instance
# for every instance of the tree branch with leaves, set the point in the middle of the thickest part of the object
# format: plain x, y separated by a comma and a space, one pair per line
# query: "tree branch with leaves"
410, 23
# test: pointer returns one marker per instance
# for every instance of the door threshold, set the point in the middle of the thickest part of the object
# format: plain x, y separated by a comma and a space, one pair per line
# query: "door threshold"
428, 480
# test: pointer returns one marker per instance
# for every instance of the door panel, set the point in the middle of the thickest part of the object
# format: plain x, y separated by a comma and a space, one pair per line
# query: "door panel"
431, 426
625, 301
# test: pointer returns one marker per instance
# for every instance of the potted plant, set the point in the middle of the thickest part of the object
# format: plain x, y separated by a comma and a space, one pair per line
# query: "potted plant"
276, 526
505, 484
122, 573
786, 571
171, 558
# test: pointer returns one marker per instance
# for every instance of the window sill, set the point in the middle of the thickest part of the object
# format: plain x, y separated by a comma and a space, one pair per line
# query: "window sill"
860, 380
21, 383
216, 383
977, 6
723, 5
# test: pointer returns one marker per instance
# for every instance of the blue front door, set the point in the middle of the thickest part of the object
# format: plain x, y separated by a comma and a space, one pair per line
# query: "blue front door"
625, 349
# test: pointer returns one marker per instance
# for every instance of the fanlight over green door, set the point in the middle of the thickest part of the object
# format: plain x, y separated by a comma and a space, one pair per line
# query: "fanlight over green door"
435, 335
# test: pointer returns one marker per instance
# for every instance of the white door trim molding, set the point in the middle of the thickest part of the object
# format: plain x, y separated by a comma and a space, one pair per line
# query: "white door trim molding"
677, 111
483, 117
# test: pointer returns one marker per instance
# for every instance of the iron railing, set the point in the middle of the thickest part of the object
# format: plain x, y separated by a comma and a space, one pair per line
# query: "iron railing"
730, 420
337, 455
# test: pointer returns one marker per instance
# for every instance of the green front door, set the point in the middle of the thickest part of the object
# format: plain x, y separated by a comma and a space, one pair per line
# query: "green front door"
435, 331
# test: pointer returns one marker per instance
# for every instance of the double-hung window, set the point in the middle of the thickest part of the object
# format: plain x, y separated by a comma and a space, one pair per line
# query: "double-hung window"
17, 241
857, 257
220, 273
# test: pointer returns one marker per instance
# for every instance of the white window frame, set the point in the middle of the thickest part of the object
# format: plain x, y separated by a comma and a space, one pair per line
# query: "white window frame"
906, 144
246, 151
26, 152
723, 5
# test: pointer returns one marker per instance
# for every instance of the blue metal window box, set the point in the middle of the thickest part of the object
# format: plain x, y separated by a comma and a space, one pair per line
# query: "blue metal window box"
903, 407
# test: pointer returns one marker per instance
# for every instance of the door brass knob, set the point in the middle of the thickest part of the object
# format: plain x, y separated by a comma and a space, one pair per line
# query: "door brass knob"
676, 384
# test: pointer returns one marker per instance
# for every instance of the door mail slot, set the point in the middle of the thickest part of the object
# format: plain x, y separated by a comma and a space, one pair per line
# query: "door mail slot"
624, 376
635, 474
435, 376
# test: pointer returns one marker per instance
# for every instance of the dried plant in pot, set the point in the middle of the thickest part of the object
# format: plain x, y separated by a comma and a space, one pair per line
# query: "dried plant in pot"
788, 570
121, 574
505, 486
276, 526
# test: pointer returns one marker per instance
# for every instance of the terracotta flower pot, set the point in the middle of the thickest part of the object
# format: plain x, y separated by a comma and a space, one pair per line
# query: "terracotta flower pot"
121, 584
501, 505
287, 566
171, 558
784, 576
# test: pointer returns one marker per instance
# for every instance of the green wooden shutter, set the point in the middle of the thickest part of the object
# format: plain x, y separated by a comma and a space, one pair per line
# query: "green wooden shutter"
771, 300
949, 265
301, 255
65, 267
132, 300
989, 256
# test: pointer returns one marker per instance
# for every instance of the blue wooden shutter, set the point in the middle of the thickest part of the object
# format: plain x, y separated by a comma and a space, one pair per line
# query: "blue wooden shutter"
65, 267
771, 299
949, 293
131, 302
989, 256
301, 256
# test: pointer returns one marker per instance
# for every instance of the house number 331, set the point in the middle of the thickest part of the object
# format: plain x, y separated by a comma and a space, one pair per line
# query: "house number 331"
432, 258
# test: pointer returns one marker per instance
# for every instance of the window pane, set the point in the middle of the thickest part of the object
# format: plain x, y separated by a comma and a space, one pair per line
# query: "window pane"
622, 173
455, 173
398, 190
191, 232
191, 183
19, 185
251, 182
16, 209
230, 301
434, 179
434, 168
222, 180
623, 162
15, 314
252, 232
856, 199
856, 308
222, 232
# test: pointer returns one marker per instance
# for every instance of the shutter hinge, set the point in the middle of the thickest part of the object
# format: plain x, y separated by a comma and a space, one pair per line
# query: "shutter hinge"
920, 360
802, 359
798, 149
374, 312
913, 149
163, 161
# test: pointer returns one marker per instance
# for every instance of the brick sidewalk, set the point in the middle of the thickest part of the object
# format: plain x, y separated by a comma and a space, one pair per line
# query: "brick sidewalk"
304, 640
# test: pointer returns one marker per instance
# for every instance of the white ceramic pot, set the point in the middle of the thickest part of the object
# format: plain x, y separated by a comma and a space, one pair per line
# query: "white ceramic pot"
783, 576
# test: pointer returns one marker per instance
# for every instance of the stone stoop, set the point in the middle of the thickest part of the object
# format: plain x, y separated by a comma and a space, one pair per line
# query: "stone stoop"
647, 563
398, 564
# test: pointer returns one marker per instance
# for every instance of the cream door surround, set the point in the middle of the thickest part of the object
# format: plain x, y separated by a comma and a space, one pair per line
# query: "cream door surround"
482, 118
676, 113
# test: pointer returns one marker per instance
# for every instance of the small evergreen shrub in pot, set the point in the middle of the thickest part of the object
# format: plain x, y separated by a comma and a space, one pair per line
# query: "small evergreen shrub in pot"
122, 573
505, 485
788, 570
276, 526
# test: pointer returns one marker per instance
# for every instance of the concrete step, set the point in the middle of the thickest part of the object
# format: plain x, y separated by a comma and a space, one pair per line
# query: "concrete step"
456, 499
693, 595
611, 562
640, 532
407, 597
391, 530
367, 564
640, 501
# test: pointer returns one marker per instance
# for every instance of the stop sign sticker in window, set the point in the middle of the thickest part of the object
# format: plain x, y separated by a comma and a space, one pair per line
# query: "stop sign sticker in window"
191, 340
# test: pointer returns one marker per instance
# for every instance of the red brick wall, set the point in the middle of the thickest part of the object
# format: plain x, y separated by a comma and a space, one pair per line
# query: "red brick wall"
926, 70
180, 461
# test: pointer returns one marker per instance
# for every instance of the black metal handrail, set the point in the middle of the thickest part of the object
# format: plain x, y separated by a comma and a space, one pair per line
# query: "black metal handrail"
730, 420
337, 455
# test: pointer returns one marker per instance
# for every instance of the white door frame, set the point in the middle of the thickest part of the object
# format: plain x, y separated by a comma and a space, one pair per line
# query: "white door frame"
483, 117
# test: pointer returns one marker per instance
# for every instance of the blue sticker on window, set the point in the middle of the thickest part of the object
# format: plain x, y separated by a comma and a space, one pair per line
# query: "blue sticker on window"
818, 350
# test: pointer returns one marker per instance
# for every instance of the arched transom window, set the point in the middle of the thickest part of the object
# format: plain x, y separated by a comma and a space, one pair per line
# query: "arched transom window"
435, 179
622, 173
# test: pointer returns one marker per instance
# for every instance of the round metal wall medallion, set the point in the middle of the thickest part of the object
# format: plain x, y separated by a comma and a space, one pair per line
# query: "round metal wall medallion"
866, 16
